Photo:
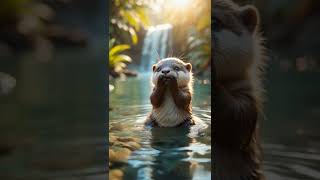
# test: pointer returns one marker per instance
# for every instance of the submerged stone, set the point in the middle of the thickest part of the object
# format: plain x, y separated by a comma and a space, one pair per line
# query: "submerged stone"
115, 174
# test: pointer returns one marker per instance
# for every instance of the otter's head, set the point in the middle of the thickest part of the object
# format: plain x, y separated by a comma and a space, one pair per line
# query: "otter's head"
172, 67
234, 32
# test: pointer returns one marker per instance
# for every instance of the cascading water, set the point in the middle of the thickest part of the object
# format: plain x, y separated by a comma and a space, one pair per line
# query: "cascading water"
156, 44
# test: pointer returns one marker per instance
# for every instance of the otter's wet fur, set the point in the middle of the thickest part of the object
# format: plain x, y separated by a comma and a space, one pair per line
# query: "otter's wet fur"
239, 62
172, 94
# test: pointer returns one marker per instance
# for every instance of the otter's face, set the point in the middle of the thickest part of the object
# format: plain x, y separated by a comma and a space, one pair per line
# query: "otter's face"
172, 67
233, 32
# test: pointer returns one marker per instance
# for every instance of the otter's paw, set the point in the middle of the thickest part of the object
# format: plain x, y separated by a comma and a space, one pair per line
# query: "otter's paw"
173, 83
161, 81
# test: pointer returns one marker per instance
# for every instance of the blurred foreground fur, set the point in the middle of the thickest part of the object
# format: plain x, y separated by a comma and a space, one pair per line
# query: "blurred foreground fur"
239, 60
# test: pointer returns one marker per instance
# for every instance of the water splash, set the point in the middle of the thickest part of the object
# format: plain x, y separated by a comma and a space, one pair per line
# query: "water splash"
156, 44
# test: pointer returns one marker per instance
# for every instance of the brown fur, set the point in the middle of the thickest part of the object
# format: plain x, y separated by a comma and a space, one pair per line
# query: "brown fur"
238, 92
172, 94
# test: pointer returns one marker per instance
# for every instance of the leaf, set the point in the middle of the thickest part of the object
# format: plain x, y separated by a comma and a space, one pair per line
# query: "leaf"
111, 42
119, 67
117, 3
134, 36
130, 18
118, 48
144, 19
122, 58
196, 43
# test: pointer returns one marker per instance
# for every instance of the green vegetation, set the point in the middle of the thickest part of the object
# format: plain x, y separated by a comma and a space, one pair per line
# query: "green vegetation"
191, 29
117, 61
127, 17
199, 41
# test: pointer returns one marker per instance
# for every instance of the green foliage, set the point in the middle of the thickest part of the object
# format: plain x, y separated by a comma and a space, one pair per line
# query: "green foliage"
199, 41
126, 19
127, 16
199, 49
117, 61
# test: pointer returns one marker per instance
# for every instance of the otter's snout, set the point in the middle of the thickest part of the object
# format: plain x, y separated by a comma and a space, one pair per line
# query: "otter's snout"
165, 71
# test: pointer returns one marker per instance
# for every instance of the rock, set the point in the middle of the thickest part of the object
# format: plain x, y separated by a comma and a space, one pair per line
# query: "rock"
129, 145
120, 155
115, 174
112, 139
127, 139
116, 127
120, 149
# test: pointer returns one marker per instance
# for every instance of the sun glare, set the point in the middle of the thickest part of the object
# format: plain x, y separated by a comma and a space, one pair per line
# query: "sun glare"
179, 3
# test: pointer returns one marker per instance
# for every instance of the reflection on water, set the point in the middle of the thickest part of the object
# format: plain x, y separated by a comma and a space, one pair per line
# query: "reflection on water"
166, 153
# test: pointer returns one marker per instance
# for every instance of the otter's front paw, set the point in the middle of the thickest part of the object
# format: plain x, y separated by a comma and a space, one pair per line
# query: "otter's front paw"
172, 82
161, 81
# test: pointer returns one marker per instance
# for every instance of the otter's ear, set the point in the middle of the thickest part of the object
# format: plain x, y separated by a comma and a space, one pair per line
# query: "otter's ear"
250, 17
189, 67
154, 68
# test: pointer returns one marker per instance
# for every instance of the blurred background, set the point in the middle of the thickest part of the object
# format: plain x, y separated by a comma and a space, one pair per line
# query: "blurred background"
290, 133
53, 89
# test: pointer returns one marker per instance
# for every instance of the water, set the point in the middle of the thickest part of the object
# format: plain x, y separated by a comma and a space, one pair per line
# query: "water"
166, 153
53, 122
290, 134
156, 44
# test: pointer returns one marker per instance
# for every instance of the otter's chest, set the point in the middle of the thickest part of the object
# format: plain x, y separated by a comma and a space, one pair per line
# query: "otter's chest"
168, 114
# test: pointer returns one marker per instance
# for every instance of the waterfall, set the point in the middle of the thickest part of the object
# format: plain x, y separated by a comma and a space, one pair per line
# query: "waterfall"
156, 44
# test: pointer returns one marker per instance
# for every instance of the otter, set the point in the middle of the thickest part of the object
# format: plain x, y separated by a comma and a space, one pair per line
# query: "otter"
172, 94
239, 61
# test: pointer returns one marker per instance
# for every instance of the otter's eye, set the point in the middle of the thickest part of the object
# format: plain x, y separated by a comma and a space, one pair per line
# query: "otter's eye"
176, 68
158, 69
217, 25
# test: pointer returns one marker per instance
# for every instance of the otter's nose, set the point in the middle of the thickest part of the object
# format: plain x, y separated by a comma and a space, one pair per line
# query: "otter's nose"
165, 71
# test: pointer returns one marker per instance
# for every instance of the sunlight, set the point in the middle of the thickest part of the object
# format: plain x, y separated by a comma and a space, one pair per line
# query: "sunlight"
179, 3
171, 4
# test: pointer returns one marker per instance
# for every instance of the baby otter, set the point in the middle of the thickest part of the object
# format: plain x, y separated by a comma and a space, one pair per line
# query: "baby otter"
239, 60
172, 94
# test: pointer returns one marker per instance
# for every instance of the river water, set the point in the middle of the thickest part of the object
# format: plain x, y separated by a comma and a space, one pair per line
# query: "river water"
290, 133
166, 153
52, 124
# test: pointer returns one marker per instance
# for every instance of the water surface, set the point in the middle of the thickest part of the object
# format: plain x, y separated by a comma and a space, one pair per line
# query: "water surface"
290, 133
52, 124
166, 153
